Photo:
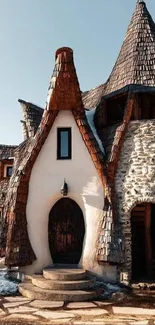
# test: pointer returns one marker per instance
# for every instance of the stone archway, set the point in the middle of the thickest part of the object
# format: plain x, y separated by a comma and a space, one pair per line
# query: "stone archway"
143, 241
66, 231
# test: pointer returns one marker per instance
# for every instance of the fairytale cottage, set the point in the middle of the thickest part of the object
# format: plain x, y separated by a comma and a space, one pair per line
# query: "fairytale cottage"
82, 190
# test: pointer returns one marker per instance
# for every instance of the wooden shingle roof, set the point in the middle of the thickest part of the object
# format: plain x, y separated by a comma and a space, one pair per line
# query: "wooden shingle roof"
7, 151
32, 117
92, 97
64, 90
134, 69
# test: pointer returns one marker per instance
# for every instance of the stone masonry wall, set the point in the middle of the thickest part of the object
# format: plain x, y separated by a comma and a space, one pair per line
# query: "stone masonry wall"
135, 180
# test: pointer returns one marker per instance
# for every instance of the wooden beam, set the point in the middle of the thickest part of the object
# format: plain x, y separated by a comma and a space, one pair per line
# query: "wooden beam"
119, 137
148, 246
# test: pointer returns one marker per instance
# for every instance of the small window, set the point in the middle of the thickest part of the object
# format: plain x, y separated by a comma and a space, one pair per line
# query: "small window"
64, 143
9, 171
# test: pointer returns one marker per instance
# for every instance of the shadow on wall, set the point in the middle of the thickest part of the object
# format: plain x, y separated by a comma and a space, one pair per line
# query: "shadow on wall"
91, 194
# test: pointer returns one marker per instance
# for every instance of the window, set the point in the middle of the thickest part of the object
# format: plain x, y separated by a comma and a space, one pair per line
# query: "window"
64, 143
8, 171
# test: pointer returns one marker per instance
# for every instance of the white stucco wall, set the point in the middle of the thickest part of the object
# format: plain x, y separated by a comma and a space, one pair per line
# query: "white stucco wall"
85, 188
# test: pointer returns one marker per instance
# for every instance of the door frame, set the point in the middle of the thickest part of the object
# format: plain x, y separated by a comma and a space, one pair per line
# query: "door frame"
147, 238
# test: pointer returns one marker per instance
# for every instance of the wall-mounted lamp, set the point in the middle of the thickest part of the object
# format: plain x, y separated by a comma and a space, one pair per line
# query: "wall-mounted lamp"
64, 189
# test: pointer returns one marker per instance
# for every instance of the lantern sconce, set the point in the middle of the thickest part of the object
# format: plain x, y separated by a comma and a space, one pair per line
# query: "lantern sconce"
64, 189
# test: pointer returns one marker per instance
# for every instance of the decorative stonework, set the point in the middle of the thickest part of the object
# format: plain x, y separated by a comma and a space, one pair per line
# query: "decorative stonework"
135, 179
110, 245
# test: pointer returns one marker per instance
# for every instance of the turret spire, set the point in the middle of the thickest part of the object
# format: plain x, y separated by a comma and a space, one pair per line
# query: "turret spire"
64, 91
135, 64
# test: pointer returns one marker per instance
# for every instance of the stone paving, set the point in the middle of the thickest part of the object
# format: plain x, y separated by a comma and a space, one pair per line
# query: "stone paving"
19, 310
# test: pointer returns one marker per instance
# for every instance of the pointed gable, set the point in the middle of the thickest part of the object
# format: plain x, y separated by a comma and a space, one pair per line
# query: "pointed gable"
135, 65
64, 86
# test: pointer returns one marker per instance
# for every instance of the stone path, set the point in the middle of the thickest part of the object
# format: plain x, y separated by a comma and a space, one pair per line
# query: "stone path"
19, 310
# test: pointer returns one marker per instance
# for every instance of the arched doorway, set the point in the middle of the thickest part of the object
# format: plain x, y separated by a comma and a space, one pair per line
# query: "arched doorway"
143, 241
66, 231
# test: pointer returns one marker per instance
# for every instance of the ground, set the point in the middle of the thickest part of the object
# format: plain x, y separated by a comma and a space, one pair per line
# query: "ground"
126, 307
120, 310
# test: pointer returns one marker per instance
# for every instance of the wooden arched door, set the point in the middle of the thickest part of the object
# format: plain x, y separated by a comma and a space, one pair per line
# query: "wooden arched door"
66, 232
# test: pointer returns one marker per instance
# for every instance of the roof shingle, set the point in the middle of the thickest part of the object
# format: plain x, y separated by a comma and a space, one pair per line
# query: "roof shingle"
92, 97
32, 117
7, 151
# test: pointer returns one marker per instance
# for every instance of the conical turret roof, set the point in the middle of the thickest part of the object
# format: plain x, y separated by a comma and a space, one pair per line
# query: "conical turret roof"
64, 90
135, 65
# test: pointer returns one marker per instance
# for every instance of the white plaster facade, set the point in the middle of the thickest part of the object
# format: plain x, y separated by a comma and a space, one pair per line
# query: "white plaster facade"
85, 188
135, 180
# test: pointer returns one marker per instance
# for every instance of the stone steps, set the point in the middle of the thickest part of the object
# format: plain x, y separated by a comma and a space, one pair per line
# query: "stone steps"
64, 274
32, 292
43, 283
59, 284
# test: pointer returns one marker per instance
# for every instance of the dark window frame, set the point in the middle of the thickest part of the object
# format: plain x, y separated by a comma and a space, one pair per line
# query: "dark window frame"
7, 171
59, 156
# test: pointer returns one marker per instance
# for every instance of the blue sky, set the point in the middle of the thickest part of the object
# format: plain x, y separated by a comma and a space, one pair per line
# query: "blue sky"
30, 33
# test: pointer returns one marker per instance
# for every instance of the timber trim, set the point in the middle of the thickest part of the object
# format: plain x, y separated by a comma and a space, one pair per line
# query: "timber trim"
120, 135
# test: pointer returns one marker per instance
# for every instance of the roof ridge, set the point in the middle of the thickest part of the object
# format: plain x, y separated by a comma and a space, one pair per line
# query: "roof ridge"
33, 106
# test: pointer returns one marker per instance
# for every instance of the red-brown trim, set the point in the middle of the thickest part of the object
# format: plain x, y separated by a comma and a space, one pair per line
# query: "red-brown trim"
18, 248
120, 135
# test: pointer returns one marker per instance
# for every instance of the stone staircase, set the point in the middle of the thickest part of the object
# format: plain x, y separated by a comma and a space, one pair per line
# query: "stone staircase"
59, 285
